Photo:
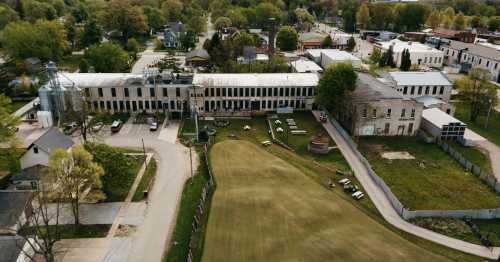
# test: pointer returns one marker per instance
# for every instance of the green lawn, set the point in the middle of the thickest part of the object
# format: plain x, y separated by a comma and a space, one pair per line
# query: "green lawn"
431, 181
72, 231
491, 132
474, 155
457, 228
187, 209
146, 180
265, 209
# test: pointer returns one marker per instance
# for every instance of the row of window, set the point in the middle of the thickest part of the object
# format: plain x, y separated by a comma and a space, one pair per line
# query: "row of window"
126, 92
258, 91
137, 105
252, 105
412, 89
401, 129
436, 60
471, 58
388, 113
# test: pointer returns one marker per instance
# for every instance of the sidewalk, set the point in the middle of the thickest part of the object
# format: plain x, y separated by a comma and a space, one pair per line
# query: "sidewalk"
387, 211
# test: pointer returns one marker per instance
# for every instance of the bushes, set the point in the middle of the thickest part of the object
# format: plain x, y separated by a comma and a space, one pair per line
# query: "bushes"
120, 169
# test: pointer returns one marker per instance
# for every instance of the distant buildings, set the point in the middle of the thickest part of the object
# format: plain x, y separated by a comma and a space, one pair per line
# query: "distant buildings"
467, 56
442, 126
420, 54
327, 57
310, 40
305, 66
172, 34
462, 36
417, 84
198, 57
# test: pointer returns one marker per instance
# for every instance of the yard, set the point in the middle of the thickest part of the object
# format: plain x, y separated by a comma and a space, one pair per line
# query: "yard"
433, 180
474, 155
491, 132
146, 180
75, 231
265, 209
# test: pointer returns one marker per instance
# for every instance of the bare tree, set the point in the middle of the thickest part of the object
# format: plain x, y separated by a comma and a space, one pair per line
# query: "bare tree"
41, 229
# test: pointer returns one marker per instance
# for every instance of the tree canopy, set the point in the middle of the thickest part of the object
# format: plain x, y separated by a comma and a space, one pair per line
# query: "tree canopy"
107, 58
336, 86
287, 38
122, 16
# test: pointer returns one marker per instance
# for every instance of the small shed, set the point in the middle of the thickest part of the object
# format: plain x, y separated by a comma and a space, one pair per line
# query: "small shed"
441, 125
198, 57
319, 144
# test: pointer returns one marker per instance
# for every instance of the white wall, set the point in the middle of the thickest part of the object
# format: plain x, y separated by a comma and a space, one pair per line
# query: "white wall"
30, 158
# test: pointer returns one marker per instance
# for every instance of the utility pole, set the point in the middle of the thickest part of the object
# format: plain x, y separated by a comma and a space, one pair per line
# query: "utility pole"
191, 159
272, 35
489, 112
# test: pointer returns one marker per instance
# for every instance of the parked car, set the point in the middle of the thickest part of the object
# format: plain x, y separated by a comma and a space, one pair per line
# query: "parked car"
344, 181
358, 195
98, 126
69, 128
116, 126
322, 118
153, 126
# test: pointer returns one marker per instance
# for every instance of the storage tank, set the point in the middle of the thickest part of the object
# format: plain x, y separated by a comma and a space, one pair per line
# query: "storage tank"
44, 118
44, 93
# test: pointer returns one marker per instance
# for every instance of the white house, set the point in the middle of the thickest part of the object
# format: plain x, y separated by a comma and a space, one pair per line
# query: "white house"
420, 54
416, 84
39, 151
332, 56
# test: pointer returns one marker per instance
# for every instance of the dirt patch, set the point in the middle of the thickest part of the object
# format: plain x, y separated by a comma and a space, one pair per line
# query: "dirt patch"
125, 230
397, 155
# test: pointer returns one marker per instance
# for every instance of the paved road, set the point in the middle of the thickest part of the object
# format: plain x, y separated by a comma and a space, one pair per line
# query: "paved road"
210, 32
494, 154
386, 209
149, 242
147, 58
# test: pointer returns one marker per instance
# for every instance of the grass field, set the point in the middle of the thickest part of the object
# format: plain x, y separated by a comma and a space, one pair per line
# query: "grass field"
265, 209
431, 181
491, 132
474, 155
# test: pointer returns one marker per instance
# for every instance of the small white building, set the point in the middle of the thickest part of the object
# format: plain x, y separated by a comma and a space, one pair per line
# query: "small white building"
332, 57
416, 84
39, 151
432, 102
442, 126
305, 66
420, 54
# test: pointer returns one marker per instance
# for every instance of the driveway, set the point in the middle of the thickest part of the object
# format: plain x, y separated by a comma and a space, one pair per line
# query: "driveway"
102, 213
387, 210
494, 154
207, 35
151, 238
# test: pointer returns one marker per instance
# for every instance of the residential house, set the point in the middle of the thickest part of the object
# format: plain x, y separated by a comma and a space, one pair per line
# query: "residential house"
39, 151
305, 65
420, 54
467, 56
198, 57
308, 40
377, 109
172, 34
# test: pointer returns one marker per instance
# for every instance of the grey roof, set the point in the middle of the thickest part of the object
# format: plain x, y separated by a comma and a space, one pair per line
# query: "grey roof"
368, 88
439, 118
10, 248
12, 204
198, 53
428, 101
253, 80
420, 79
176, 26
474, 49
53, 139
31, 173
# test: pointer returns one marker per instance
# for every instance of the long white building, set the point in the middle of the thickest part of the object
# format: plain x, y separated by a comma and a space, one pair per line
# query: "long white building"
420, 54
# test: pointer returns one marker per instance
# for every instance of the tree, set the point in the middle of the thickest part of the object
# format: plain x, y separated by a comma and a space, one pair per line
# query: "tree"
305, 19
83, 66
287, 38
410, 17
172, 10
363, 16
387, 59
34, 10
129, 20
459, 22
476, 22
44, 39
188, 40
381, 16
434, 19
7, 15
494, 23
69, 26
155, 17
335, 86
375, 56
74, 173
476, 90
351, 44
8, 122
221, 23
240, 41
265, 11
92, 33
107, 58
197, 24
449, 12
327, 42
237, 17
133, 47
405, 60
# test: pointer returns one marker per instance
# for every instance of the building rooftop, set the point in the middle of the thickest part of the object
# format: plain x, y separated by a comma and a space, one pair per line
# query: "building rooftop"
311, 36
198, 53
369, 88
428, 101
31, 173
10, 248
305, 66
338, 55
84, 80
439, 118
53, 139
255, 80
475, 49
12, 205
398, 46
420, 78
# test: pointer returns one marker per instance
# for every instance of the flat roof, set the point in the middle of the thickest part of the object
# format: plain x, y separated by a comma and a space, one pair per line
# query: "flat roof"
429, 100
475, 49
398, 46
439, 118
369, 88
84, 80
420, 78
339, 55
255, 80
305, 66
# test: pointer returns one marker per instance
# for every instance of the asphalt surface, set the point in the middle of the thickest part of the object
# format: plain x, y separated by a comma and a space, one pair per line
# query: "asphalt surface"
386, 209
151, 238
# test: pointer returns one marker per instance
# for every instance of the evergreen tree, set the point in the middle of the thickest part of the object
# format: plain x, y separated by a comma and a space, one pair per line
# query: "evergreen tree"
327, 42
351, 44
405, 60
387, 59
91, 33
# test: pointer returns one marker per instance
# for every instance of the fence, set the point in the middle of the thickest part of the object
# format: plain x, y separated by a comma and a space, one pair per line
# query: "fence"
201, 208
408, 214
